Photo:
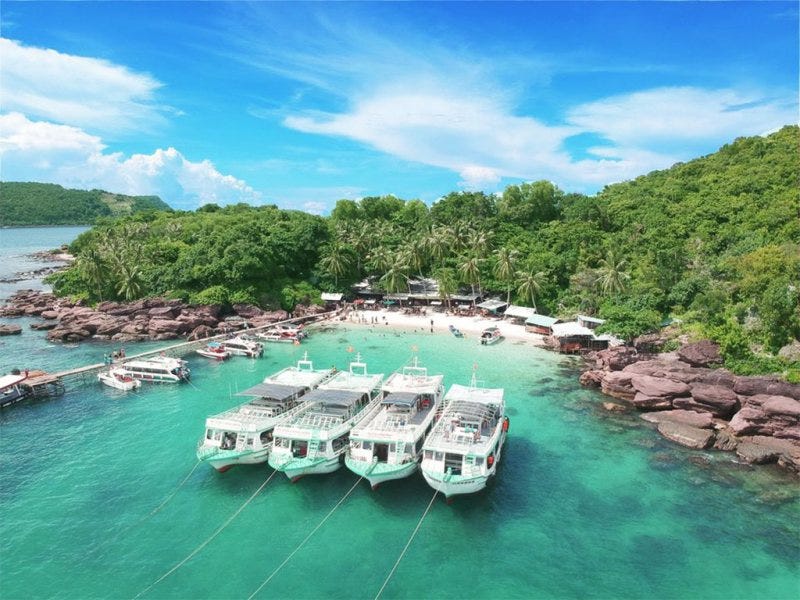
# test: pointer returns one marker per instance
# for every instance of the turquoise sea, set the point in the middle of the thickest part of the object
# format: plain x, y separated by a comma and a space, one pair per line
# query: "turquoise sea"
586, 504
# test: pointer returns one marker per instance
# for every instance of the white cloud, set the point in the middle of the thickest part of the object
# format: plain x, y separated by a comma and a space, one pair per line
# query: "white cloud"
89, 93
480, 138
680, 114
47, 152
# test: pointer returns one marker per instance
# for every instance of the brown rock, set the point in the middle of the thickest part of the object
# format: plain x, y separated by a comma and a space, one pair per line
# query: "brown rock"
45, 326
685, 435
700, 354
658, 387
49, 314
684, 417
726, 440
200, 332
159, 326
247, 311
616, 359
781, 405
645, 402
10, 330
164, 312
716, 399
591, 378
751, 386
614, 407
618, 385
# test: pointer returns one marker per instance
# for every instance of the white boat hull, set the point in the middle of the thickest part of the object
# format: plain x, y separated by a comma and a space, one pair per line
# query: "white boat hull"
378, 473
296, 468
125, 385
225, 459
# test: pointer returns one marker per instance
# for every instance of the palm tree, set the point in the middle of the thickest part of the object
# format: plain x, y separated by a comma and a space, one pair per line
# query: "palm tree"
446, 280
504, 268
338, 260
396, 278
438, 243
529, 285
478, 242
470, 270
129, 284
379, 260
611, 274
93, 266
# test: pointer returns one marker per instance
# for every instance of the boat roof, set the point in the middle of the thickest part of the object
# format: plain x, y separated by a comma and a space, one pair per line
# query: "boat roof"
273, 391
159, 361
471, 393
338, 398
9, 380
295, 376
416, 381
400, 399
345, 380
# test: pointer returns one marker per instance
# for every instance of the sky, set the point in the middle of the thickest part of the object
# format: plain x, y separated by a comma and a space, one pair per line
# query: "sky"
300, 104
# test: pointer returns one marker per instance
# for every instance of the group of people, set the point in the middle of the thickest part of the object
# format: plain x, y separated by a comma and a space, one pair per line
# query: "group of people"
116, 355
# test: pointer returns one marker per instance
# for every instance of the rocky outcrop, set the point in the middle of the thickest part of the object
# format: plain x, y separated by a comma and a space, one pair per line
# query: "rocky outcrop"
700, 354
698, 406
10, 329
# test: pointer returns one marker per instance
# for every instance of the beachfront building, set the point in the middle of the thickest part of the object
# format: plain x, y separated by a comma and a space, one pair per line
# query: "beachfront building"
332, 301
572, 337
589, 322
541, 324
493, 305
519, 314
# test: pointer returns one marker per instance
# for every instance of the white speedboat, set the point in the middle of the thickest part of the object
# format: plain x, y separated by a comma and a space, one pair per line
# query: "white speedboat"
215, 350
118, 379
243, 345
463, 450
314, 439
387, 444
243, 435
159, 369
490, 335
276, 336
292, 329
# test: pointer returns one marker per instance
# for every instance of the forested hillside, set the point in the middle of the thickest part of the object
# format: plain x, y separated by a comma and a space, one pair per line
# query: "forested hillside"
23, 204
714, 242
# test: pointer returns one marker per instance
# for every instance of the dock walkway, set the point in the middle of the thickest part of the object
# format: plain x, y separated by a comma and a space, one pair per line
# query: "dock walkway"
53, 384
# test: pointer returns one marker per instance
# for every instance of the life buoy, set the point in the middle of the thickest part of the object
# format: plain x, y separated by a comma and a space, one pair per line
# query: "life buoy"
490, 460
505, 424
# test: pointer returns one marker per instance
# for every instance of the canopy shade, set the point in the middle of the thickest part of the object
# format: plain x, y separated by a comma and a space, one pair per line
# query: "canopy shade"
273, 391
340, 398
492, 304
326, 297
541, 320
520, 312
400, 399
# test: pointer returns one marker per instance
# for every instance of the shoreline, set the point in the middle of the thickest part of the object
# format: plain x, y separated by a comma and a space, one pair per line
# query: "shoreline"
471, 327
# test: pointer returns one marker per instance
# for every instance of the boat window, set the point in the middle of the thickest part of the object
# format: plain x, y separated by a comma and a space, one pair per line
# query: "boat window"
281, 443
209, 434
392, 447
478, 460
355, 445
439, 456
428, 454
366, 445
266, 437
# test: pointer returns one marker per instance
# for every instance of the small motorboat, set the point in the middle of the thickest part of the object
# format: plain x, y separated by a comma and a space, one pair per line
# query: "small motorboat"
454, 330
279, 336
214, 350
244, 346
491, 335
118, 379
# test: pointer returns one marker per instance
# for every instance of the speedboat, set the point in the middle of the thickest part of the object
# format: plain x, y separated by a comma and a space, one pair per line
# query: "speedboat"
10, 390
387, 444
490, 335
282, 337
454, 330
291, 328
243, 345
159, 369
243, 435
314, 439
463, 450
214, 350
118, 379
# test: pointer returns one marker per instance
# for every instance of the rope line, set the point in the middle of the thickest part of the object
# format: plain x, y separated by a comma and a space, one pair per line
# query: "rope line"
403, 553
308, 537
208, 540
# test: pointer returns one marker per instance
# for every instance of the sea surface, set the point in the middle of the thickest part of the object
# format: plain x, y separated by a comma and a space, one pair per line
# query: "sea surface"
96, 502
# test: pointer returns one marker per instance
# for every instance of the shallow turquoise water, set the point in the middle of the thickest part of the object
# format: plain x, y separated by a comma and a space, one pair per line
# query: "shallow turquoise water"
584, 506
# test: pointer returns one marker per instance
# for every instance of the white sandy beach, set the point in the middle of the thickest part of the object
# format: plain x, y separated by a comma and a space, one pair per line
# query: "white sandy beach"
471, 327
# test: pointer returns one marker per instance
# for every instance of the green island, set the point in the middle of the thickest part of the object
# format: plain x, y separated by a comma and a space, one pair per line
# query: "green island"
26, 204
711, 245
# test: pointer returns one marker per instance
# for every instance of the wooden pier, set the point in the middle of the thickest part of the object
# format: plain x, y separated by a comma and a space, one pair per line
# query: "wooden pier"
43, 385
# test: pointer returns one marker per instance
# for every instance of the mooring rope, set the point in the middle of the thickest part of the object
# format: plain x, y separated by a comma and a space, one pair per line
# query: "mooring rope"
308, 537
403, 553
208, 540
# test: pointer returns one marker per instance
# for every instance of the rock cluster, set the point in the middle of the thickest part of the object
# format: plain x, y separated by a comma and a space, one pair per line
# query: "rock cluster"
702, 407
146, 319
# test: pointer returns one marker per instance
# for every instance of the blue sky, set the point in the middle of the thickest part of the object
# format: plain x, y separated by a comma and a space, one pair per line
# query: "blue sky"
301, 104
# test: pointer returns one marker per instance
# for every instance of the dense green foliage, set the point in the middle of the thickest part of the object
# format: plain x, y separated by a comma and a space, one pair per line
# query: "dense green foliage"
715, 242
23, 204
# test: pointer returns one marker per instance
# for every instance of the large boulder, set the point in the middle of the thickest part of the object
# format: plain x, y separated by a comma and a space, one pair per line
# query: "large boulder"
44, 325
645, 402
684, 417
200, 332
767, 415
752, 386
593, 378
716, 399
164, 312
667, 369
700, 354
10, 329
618, 385
761, 450
247, 311
686, 435
658, 387
49, 315
160, 326
617, 358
